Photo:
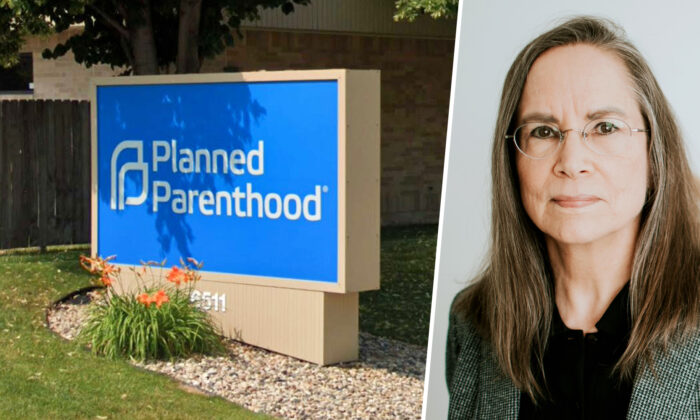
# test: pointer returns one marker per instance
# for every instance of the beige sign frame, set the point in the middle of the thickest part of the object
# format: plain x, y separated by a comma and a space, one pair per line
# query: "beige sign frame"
310, 320
358, 172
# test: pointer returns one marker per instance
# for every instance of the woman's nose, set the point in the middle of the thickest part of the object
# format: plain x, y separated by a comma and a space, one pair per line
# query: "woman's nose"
574, 158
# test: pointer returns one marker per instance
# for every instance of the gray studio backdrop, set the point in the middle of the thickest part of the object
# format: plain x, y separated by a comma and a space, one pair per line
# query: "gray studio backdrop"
489, 35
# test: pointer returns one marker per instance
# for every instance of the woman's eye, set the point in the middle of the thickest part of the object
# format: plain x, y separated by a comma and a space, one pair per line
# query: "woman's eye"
605, 127
542, 132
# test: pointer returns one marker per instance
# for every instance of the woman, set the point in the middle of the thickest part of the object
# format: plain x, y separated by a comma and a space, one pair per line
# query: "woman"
589, 306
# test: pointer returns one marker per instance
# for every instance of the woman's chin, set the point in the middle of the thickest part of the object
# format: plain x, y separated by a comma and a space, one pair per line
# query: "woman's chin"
576, 234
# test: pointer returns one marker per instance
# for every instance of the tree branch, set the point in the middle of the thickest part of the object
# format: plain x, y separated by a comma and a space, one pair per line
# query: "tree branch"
113, 23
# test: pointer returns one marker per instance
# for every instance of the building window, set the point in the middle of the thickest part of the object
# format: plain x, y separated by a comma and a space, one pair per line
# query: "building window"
19, 78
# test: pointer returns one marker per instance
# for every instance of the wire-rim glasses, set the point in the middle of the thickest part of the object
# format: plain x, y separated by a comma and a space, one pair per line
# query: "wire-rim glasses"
604, 136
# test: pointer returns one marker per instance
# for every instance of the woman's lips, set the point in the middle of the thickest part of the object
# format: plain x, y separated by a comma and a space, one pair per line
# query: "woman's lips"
575, 201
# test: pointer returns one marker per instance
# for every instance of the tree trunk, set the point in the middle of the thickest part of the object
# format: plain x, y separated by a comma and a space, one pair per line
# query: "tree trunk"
143, 45
188, 36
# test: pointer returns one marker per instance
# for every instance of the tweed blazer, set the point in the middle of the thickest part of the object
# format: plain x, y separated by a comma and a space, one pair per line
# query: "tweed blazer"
479, 390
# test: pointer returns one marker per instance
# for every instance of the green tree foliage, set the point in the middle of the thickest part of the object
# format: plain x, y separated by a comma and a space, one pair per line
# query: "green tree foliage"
410, 9
15, 24
141, 36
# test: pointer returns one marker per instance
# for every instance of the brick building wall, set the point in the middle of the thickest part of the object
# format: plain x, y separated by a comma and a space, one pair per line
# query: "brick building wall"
62, 78
415, 84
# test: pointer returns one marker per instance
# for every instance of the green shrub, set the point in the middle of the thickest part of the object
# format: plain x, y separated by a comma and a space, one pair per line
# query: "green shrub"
126, 327
157, 322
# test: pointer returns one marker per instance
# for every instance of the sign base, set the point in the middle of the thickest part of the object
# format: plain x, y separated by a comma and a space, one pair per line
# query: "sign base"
319, 327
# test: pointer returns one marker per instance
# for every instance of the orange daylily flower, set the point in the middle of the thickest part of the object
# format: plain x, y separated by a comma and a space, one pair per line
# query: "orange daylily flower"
106, 280
107, 274
145, 299
89, 264
160, 298
101, 267
177, 276
109, 269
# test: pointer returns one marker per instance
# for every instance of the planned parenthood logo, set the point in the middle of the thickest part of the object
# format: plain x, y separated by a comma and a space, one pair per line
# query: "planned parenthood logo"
117, 190
242, 202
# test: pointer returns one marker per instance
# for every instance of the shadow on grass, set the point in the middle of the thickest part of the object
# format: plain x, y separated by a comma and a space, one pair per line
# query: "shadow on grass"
401, 308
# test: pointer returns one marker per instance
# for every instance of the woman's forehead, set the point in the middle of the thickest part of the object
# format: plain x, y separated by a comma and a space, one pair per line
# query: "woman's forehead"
577, 81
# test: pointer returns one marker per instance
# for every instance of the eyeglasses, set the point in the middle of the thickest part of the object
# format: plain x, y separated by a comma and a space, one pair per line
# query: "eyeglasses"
607, 137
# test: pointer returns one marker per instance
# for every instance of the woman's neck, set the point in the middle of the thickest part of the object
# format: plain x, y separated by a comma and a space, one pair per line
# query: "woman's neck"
587, 277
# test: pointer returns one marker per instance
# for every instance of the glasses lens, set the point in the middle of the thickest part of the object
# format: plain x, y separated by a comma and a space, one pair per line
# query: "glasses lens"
608, 136
537, 140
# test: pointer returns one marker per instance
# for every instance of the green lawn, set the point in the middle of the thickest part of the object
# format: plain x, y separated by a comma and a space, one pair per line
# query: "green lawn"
401, 308
44, 376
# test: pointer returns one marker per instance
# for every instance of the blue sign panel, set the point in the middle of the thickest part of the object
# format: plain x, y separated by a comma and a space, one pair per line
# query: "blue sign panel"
242, 176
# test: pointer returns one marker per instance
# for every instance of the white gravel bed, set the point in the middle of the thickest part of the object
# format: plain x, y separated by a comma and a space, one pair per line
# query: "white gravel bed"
385, 383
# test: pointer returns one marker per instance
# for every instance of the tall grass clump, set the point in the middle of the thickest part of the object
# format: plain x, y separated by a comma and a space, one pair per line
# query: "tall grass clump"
156, 322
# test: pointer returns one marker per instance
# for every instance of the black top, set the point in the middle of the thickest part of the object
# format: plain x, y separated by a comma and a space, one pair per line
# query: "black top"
578, 369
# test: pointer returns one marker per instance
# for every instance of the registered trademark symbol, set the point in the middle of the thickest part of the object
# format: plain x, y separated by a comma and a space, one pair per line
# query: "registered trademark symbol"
325, 188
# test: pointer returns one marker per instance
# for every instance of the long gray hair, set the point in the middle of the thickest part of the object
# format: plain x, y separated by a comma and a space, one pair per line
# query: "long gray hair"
511, 302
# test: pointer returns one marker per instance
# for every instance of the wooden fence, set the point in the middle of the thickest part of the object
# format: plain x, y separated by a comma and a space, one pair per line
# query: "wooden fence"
44, 173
